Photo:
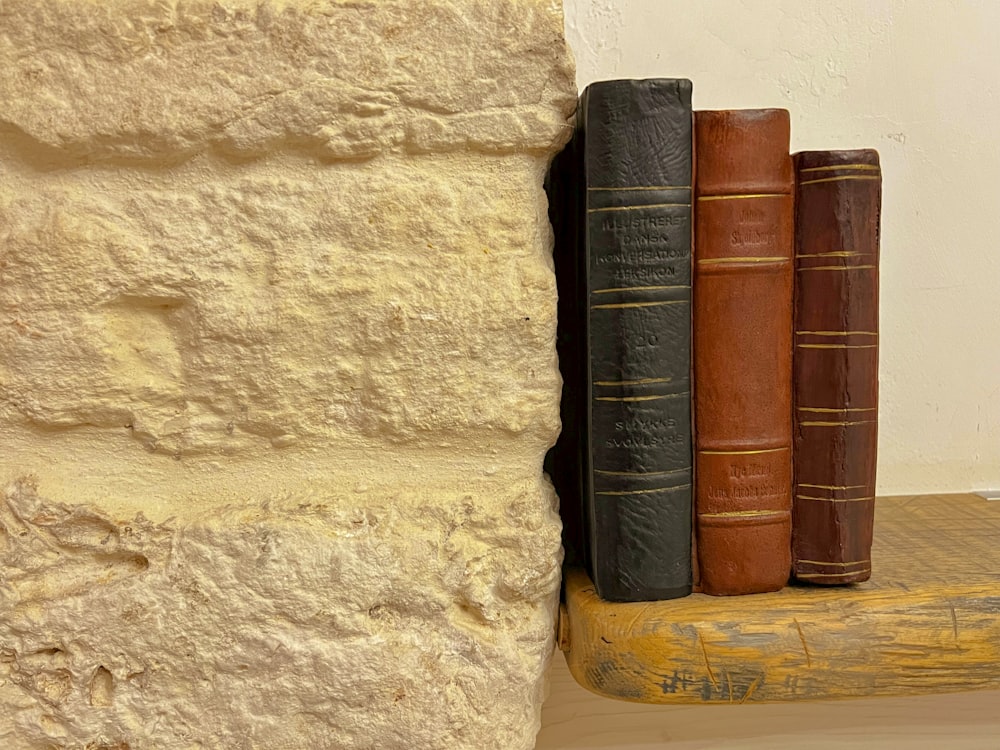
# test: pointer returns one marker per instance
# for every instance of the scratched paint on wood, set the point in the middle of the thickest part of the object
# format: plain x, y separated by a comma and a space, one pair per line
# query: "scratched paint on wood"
926, 622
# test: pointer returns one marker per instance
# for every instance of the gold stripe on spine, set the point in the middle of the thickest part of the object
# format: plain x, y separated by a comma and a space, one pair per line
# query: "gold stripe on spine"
826, 410
635, 208
837, 346
643, 187
836, 333
833, 268
843, 177
741, 453
640, 473
821, 410
833, 167
833, 575
835, 424
835, 254
636, 289
745, 514
643, 381
835, 499
837, 564
640, 398
833, 486
638, 304
742, 197
745, 259
643, 492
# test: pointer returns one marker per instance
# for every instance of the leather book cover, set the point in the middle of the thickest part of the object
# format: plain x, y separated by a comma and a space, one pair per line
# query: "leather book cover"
636, 169
835, 364
743, 350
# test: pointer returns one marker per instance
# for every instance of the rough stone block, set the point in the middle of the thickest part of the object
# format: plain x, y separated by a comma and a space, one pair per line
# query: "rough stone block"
277, 372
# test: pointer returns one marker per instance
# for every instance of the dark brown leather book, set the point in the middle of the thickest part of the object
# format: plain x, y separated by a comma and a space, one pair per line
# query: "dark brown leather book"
743, 350
835, 364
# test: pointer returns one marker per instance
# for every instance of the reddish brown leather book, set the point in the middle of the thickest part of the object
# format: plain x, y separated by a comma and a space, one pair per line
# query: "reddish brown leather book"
835, 364
743, 350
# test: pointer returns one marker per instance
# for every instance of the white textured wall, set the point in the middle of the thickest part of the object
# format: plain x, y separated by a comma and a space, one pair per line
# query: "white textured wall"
919, 82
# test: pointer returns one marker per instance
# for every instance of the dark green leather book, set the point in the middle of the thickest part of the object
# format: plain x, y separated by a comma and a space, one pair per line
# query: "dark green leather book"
627, 362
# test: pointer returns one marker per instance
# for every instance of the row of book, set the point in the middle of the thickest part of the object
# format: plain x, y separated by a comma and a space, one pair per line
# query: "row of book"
718, 340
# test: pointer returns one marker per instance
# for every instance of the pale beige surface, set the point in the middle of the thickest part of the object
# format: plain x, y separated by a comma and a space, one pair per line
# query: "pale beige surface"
575, 719
277, 372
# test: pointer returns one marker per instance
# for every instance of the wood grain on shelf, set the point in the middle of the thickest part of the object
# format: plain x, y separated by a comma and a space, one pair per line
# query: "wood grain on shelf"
928, 621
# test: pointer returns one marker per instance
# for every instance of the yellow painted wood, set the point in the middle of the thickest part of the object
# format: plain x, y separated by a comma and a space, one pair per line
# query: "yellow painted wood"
927, 622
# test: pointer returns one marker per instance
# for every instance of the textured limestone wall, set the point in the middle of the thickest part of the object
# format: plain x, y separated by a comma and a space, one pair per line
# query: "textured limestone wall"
277, 372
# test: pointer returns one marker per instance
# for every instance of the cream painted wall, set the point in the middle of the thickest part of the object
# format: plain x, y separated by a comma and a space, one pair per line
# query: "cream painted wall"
919, 81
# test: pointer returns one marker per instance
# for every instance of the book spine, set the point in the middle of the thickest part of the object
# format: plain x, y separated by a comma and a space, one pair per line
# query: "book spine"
742, 350
835, 363
637, 186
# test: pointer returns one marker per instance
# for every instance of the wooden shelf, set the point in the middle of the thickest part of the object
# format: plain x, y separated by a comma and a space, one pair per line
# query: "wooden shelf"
927, 622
